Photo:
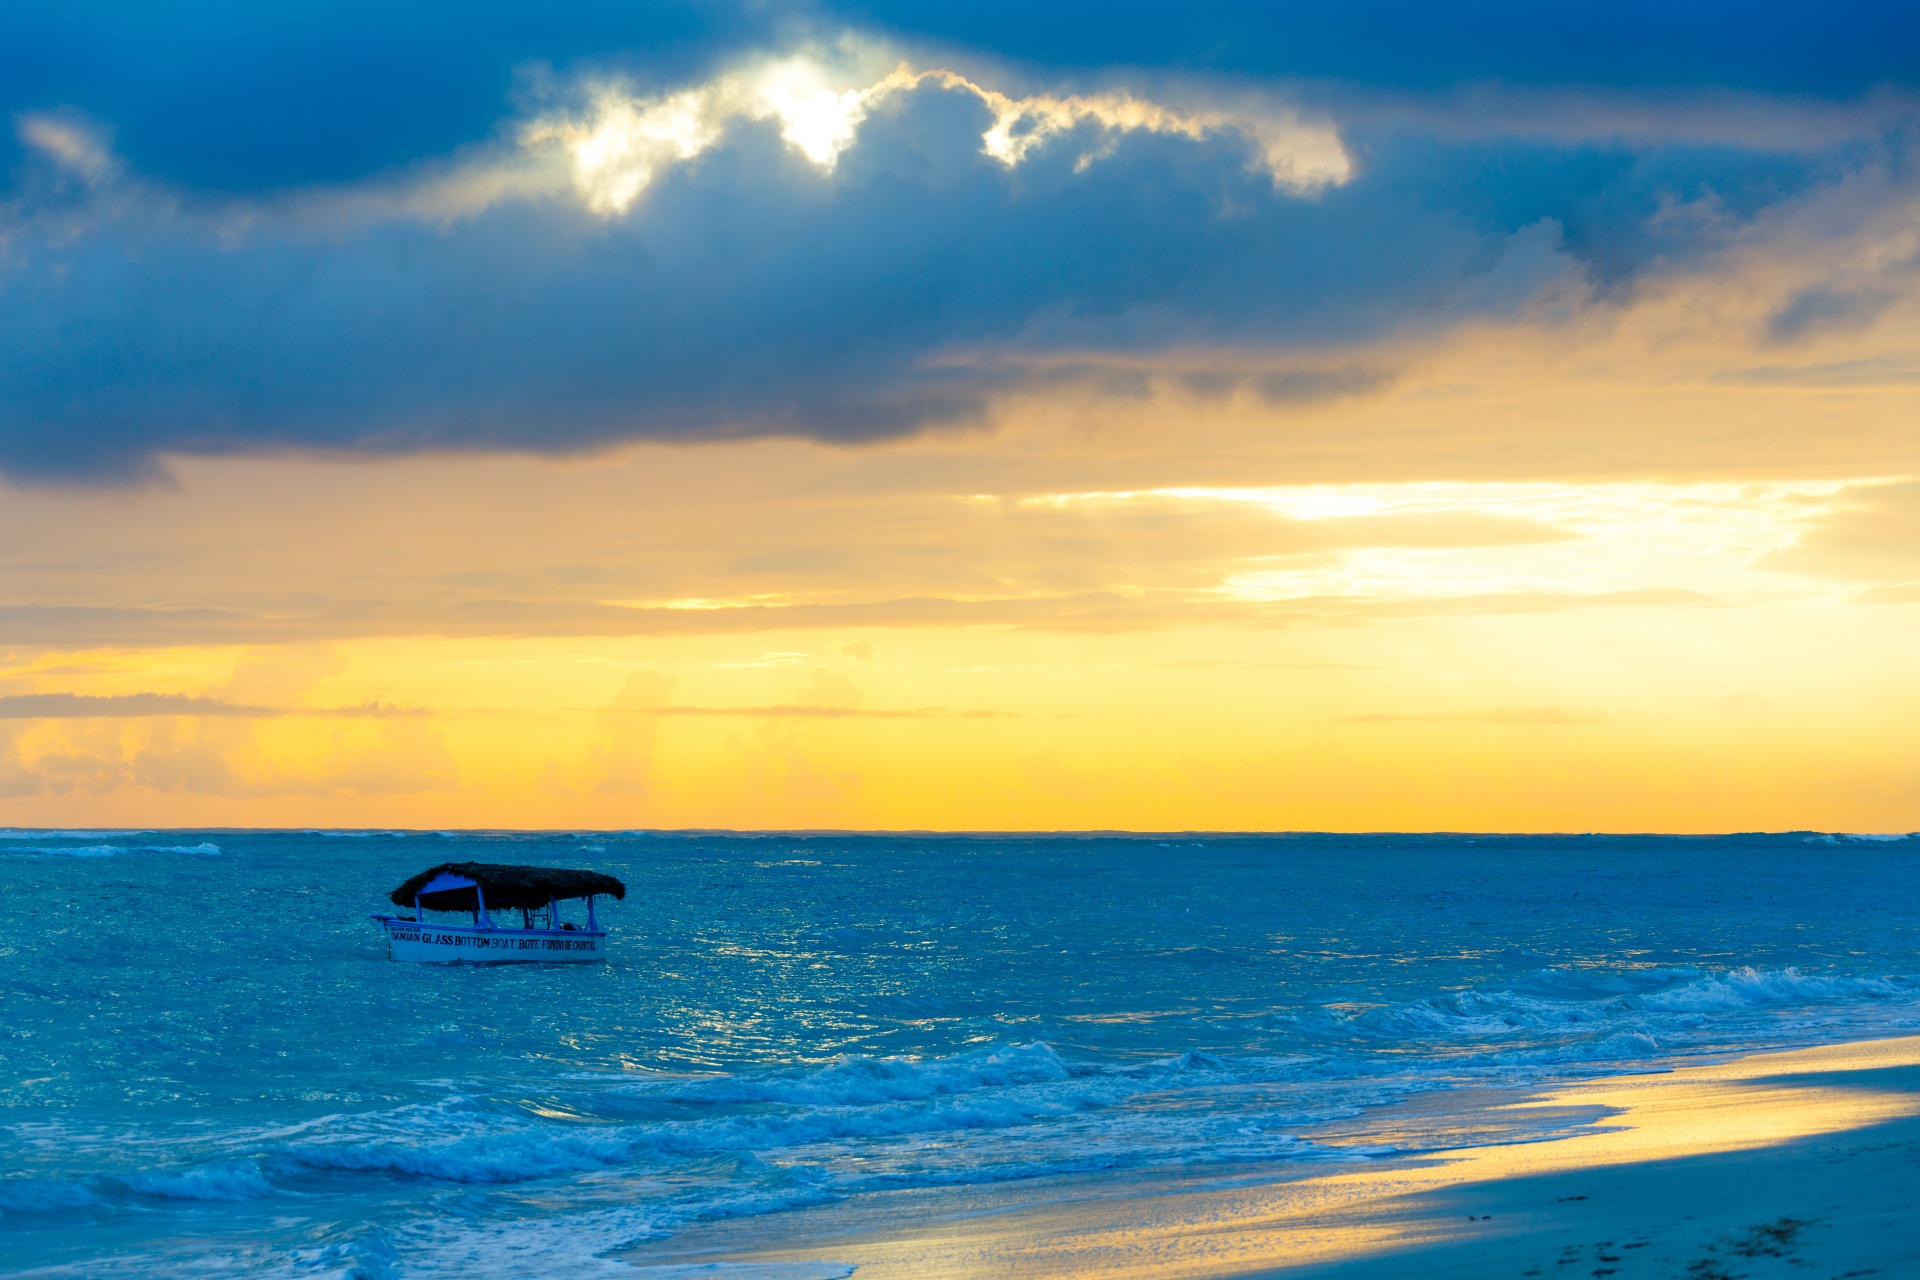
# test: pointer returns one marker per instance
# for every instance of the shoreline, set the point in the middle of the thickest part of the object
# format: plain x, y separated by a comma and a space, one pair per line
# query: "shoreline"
1766, 1164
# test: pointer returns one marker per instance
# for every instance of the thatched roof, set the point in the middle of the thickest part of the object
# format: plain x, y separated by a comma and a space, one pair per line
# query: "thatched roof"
505, 886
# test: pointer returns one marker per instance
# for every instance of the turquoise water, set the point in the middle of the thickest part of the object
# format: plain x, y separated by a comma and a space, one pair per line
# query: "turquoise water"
210, 1069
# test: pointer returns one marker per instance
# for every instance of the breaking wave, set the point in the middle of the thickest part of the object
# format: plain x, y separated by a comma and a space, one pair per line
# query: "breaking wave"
793, 1020
782, 1139
205, 847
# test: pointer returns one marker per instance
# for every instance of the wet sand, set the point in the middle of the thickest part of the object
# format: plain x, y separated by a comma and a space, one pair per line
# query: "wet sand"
1804, 1163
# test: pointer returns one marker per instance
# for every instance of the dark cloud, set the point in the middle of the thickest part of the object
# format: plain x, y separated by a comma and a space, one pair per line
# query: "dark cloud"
241, 96
1823, 309
1766, 45
749, 293
235, 96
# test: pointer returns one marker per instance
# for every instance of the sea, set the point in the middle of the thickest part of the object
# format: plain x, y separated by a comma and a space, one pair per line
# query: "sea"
210, 1068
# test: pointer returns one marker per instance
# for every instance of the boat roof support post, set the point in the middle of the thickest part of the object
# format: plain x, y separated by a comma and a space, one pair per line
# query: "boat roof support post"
593, 926
480, 916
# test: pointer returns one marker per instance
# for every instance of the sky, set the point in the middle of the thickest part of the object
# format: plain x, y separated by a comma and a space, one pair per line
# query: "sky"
1353, 416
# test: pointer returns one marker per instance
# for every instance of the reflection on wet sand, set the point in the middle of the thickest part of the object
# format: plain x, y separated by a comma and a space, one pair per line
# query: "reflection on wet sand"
1771, 1161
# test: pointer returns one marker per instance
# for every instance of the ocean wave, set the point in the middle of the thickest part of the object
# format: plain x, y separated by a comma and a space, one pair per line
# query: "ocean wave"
1645, 1006
32, 1196
369, 1255
226, 1180
682, 1148
874, 1121
864, 1081
763, 1142
521, 1151
221, 1180
205, 848
71, 851
517, 1156
1747, 987
900, 1111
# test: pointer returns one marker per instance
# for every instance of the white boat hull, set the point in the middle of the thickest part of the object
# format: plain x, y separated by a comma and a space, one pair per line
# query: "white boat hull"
453, 944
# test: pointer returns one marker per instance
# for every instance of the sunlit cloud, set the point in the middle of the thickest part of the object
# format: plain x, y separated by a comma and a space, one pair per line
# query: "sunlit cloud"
74, 146
1612, 537
622, 141
1550, 716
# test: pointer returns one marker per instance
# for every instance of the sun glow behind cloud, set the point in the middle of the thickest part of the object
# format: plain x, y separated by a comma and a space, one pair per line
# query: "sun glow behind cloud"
1596, 538
622, 141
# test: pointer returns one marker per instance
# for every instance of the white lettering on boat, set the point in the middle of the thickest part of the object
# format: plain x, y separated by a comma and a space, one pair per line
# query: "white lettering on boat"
494, 941
555, 945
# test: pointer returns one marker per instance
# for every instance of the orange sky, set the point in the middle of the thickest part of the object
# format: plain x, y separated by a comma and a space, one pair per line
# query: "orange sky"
1616, 569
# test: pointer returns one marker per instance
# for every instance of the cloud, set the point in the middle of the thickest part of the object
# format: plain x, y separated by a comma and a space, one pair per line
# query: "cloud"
1821, 309
1493, 715
616, 147
1878, 371
627, 740
1090, 611
783, 711
835, 240
73, 146
1871, 535
629, 723
227, 96
1772, 46
831, 691
85, 706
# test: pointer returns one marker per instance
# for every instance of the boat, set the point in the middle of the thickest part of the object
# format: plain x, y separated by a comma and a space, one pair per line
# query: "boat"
479, 889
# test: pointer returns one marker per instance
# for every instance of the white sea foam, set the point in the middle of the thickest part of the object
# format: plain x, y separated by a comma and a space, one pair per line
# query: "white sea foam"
1589, 1014
72, 851
1747, 987
205, 847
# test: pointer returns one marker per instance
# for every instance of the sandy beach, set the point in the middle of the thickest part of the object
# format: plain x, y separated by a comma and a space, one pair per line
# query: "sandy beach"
1802, 1163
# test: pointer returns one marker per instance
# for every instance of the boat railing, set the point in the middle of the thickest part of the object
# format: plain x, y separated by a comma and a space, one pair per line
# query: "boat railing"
489, 925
